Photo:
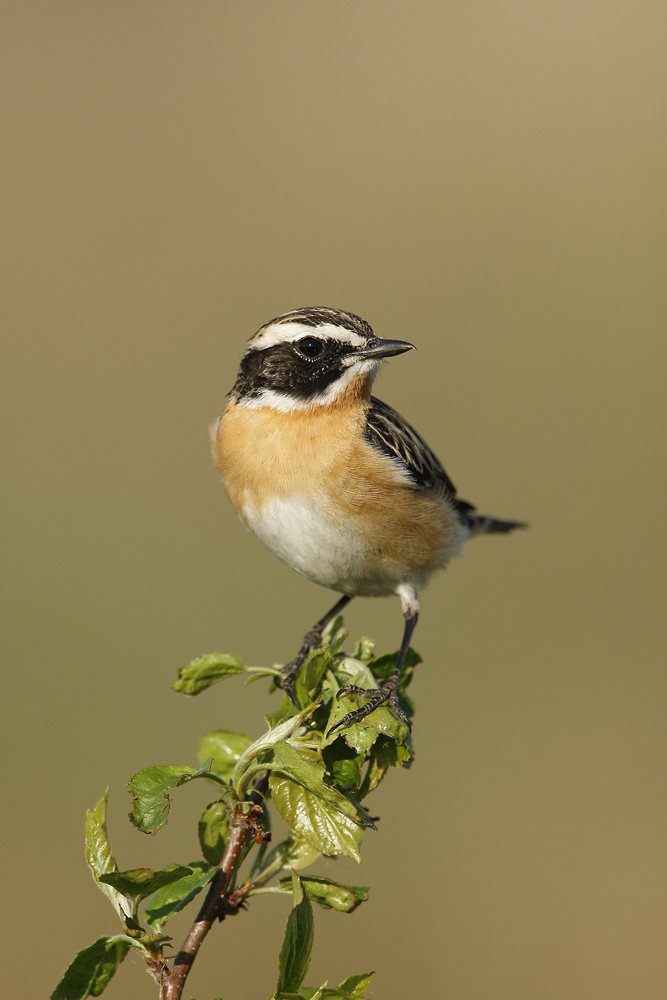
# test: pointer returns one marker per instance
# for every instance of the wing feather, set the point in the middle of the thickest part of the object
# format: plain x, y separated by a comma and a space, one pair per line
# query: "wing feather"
388, 431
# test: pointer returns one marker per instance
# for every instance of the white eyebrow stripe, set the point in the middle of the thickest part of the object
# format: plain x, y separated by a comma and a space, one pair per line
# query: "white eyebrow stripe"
287, 333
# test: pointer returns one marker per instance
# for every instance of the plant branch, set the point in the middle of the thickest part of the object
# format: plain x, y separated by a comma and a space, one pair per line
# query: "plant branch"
217, 898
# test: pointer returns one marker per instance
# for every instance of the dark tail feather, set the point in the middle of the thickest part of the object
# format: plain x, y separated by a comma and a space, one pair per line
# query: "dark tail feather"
481, 524
490, 525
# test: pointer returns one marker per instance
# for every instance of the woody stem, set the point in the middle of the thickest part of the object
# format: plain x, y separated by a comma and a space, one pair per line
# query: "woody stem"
216, 901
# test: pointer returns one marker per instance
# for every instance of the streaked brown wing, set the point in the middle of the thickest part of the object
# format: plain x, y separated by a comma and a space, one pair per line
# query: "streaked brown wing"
390, 433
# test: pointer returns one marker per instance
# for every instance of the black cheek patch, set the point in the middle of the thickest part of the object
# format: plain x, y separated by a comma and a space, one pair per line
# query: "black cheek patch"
282, 369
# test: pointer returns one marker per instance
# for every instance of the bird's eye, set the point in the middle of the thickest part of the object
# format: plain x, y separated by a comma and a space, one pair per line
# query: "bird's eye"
309, 347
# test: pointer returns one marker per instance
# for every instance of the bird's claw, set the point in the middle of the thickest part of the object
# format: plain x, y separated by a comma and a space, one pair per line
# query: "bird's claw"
288, 675
387, 694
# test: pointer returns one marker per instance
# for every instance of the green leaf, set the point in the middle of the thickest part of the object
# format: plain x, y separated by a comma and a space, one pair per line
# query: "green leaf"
295, 852
334, 634
99, 857
259, 673
384, 666
336, 995
204, 671
385, 753
364, 649
297, 943
329, 894
323, 993
90, 971
327, 831
356, 985
306, 766
361, 735
174, 897
213, 831
343, 765
315, 667
137, 883
225, 747
284, 711
150, 809
243, 770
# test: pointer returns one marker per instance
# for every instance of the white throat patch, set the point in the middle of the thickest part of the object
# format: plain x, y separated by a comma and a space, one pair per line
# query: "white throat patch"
285, 403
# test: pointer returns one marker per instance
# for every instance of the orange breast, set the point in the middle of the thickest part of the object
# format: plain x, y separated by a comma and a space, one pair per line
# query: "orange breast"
396, 533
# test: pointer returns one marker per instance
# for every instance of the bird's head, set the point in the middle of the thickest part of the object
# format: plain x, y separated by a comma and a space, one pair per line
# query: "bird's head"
309, 358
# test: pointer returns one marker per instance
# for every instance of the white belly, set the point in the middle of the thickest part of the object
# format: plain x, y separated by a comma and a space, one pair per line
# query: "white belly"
308, 540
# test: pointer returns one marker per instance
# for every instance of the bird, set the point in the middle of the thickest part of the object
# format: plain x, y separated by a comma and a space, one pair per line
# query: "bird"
333, 481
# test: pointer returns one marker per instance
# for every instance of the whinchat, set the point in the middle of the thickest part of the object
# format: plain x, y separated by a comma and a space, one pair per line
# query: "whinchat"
332, 480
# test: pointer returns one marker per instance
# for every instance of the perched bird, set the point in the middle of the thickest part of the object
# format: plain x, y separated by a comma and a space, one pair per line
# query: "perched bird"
333, 481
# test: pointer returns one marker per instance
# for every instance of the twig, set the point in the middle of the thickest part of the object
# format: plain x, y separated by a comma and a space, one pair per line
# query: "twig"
217, 899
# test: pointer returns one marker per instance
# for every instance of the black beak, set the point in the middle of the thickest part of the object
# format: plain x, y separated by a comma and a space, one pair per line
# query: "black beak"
385, 349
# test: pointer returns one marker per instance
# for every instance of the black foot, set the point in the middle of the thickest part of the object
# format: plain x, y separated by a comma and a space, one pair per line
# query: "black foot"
311, 640
288, 675
387, 694
291, 670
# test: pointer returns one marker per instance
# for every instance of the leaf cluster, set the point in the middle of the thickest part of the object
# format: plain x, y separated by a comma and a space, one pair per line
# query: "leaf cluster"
318, 781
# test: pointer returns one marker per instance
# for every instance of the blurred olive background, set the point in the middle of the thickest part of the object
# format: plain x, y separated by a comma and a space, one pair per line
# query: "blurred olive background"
484, 179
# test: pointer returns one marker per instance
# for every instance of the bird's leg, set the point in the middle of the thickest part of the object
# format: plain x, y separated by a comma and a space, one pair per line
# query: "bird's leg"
311, 640
389, 690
